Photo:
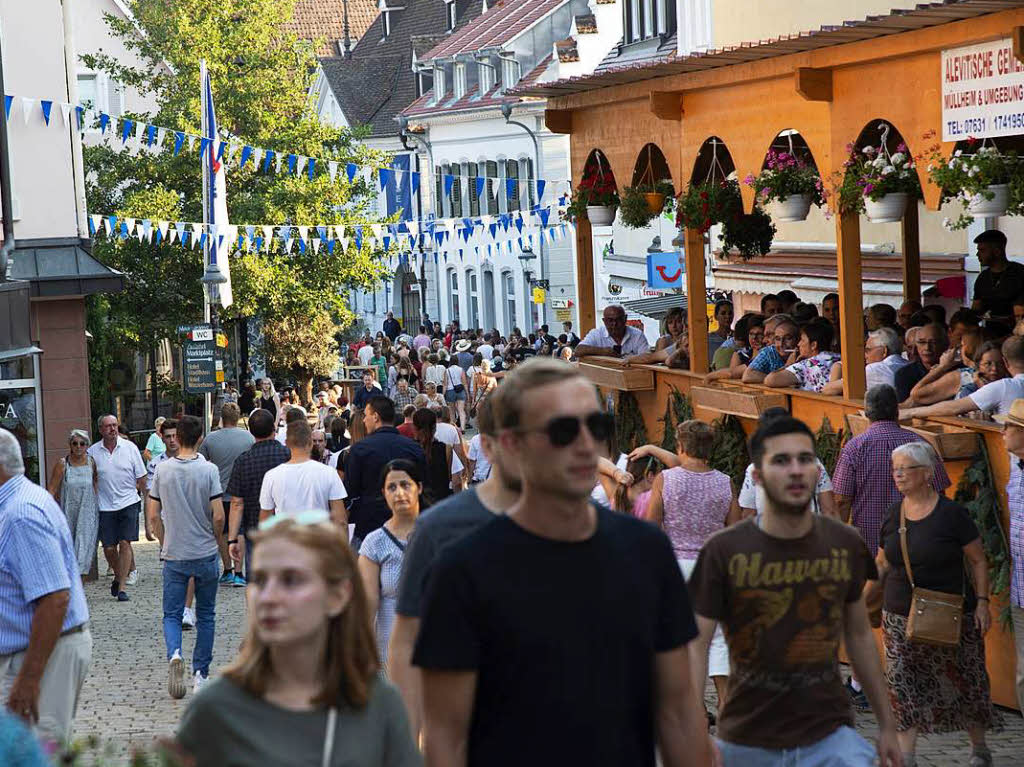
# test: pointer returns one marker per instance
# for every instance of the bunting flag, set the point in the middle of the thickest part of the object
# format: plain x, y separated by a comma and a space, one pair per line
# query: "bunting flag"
46, 106
480, 181
449, 182
385, 174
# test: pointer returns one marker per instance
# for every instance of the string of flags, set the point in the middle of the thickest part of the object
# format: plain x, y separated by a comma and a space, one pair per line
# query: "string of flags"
484, 237
232, 152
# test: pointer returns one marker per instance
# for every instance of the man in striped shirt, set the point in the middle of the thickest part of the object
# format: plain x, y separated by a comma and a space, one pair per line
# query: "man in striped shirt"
1013, 438
45, 644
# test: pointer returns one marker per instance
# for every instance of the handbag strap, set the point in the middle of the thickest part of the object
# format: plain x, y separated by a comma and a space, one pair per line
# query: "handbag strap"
394, 540
903, 546
328, 750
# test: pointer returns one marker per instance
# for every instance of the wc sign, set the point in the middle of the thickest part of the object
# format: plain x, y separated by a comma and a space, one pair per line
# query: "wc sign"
664, 271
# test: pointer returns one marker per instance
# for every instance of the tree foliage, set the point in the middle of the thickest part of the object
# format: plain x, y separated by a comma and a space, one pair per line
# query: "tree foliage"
260, 77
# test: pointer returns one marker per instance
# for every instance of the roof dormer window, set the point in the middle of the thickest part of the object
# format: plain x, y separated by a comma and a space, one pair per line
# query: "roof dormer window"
440, 86
449, 14
459, 81
387, 17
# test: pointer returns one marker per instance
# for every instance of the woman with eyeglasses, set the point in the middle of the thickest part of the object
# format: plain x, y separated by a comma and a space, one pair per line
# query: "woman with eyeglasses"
382, 551
306, 687
933, 689
73, 483
749, 338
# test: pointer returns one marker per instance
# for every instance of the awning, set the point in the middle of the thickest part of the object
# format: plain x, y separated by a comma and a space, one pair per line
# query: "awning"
60, 266
656, 307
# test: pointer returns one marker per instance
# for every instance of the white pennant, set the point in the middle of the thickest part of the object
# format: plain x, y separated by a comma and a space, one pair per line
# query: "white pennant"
303, 232
97, 222
160, 134
344, 241
332, 168
414, 227
339, 231
277, 165
162, 226
315, 242
288, 245
65, 111
257, 157
301, 165
377, 229
268, 233
26, 108
191, 142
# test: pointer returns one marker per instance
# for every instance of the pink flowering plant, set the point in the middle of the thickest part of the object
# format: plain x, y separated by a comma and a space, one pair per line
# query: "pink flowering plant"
968, 175
874, 172
785, 175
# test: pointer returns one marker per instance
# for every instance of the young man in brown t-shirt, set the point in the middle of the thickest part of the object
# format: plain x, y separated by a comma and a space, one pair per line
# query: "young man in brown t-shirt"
786, 587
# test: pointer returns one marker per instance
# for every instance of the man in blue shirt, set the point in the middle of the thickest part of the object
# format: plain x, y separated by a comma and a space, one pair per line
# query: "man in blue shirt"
41, 599
781, 336
367, 458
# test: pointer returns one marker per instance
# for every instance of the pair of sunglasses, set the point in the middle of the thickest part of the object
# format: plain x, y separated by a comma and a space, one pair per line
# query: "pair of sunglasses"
565, 430
79, 444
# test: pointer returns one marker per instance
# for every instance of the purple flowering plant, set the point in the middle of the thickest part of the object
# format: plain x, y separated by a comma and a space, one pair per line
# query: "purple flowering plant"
786, 174
872, 173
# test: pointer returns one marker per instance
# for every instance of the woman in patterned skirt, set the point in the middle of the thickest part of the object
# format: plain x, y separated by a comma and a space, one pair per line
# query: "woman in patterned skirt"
380, 556
932, 688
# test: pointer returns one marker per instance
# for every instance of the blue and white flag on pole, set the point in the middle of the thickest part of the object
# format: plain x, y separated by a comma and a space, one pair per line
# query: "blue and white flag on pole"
215, 198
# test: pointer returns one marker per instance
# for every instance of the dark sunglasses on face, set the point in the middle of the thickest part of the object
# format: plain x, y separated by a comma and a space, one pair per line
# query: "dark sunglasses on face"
77, 443
565, 430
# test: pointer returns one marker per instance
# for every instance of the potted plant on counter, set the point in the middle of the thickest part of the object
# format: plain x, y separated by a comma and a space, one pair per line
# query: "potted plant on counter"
877, 182
790, 182
984, 180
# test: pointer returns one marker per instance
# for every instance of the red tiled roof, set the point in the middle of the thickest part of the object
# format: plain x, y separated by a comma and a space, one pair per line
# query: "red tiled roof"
502, 22
323, 20
896, 21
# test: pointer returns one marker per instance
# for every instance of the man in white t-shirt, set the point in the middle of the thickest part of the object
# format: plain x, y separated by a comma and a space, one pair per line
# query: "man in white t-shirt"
365, 354
447, 433
302, 484
486, 350
994, 398
479, 464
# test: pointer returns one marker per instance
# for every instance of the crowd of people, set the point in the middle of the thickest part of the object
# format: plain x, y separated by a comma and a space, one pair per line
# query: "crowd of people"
528, 594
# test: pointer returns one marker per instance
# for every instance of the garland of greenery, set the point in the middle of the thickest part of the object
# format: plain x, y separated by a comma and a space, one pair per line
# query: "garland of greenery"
828, 444
668, 435
977, 491
630, 430
677, 410
729, 450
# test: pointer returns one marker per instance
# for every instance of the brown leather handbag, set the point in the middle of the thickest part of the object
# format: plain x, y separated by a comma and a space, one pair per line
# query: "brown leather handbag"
936, 617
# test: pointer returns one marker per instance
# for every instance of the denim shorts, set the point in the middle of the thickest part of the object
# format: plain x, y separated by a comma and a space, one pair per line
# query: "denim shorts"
120, 525
451, 396
843, 748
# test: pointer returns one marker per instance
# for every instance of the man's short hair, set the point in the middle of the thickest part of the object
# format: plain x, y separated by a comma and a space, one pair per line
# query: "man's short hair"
884, 314
965, 316
991, 237
830, 297
881, 403
534, 372
261, 423
169, 424
384, 407
190, 431
768, 297
294, 415
1013, 350
937, 312
485, 415
788, 297
299, 434
776, 427
229, 414
889, 338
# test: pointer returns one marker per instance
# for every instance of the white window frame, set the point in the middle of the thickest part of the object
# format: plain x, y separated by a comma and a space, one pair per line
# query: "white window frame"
459, 81
450, 14
439, 84
453, 293
473, 292
508, 303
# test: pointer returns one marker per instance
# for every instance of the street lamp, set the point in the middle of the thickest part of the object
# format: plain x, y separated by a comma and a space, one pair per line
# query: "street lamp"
525, 257
506, 112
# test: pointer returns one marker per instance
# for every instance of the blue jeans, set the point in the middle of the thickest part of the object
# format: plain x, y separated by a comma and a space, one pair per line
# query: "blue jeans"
206, 571
843, 748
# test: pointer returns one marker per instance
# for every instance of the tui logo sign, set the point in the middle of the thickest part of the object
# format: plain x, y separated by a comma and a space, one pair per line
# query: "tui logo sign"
664, 270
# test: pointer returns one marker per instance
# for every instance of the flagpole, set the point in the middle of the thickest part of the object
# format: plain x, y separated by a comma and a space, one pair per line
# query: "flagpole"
207, 181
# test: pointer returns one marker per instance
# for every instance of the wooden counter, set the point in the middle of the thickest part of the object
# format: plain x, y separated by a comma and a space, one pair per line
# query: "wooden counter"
711, 400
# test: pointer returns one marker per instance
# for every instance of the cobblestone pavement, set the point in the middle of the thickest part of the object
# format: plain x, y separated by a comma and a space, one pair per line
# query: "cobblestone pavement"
125, 698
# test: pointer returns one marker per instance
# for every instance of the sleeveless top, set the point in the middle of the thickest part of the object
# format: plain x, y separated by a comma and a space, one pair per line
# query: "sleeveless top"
696, 505
439, 472
268, 404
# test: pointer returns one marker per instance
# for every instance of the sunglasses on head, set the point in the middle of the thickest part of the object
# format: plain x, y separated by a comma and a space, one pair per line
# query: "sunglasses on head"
563, 431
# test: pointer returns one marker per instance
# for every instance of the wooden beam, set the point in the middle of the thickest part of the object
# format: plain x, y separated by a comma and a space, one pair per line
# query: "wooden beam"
667, 105
1018, 43
696, 300
584, 276
813, 84
911, 236
851, 306
558, 120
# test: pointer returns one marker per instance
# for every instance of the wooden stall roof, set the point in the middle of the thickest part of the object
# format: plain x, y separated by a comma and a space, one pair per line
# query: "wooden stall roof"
821, 263
897, 21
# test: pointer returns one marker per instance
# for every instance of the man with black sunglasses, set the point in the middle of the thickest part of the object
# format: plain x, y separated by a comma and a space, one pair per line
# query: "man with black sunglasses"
557, 633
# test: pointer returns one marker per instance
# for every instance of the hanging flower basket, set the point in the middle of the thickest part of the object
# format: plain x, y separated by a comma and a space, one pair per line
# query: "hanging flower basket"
991, 203
655, 202
877, 182
887, 209
601, 215
595, 191
796, 207
791, 182
984, 180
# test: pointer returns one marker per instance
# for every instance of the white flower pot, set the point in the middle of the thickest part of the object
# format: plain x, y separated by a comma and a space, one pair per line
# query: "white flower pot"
886, 210
793, 208
600, 215
979, 206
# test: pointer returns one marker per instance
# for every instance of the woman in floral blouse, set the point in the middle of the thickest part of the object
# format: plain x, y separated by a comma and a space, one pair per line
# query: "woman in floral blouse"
815, 365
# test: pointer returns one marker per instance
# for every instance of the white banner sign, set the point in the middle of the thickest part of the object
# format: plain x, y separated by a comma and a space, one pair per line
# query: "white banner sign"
982, 91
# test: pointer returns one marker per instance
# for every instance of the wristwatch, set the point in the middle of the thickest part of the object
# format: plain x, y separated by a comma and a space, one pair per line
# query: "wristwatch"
232, 540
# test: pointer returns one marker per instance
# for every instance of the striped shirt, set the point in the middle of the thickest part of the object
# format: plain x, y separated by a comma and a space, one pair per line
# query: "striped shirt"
37, 557
1015, 499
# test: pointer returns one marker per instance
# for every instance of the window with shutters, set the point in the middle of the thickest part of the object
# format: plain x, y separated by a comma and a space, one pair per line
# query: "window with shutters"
456, 195
472, 173
526, 172
474, 299
453, 294
647, 19
512, 190
439, 192
492, 190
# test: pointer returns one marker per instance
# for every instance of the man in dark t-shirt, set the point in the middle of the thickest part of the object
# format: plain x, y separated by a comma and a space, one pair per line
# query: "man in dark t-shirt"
931, 341
1001, 281
557, 633
786, 586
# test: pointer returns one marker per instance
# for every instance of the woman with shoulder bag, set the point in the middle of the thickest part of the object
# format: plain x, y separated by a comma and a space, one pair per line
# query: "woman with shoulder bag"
73, 484
455, 394
933, 624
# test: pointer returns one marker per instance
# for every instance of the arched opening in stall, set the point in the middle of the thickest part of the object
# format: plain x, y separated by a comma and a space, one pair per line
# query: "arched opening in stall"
597, 194
651, 192
789, 181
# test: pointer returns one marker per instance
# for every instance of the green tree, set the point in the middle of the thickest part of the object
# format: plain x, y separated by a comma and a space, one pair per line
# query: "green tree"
260, 76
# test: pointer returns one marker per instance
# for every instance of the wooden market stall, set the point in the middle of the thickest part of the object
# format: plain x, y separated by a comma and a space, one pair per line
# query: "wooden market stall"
833, 87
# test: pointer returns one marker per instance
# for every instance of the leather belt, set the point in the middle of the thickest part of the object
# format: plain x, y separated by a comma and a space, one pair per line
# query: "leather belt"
75, 629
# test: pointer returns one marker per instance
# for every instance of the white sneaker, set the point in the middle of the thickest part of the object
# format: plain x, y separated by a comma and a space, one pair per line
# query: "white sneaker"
198, 681
188, 619
176, 676
133, 578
